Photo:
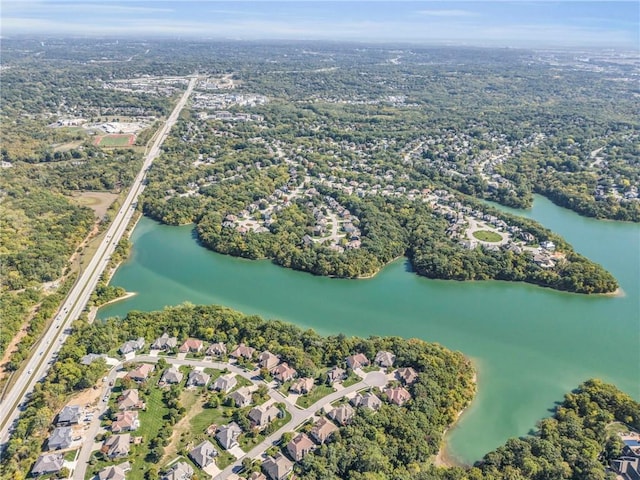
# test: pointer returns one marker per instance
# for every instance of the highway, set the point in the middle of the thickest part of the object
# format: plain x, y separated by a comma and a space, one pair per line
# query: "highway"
51, 341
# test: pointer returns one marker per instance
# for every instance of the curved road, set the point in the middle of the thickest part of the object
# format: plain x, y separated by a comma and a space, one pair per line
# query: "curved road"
54, 337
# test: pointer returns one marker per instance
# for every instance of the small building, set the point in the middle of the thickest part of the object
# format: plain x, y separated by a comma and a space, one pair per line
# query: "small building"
204, 454
89, 358
398, 396
117, 446
368, 400
191, 345
217, 349
302, 386
60, 438
164, 342
115, 472
268, 360
384, 359
69, 415
242, 397
242, 351
178, 471
278, 467
141, 373
627, 468
342, 414
132, 346
283, 373
228, 435
171, 376
198, 378
224, 383
130, 400
263, 415
126, 421
359, 360
300, 446
335, 375
257, 476
47, 464
407, 375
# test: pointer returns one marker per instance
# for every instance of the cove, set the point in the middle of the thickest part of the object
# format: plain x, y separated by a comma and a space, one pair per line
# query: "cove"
531, 345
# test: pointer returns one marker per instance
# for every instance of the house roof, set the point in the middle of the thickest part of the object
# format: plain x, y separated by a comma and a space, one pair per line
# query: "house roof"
228, 434
407, 375
203, 454
141, 372
132, 346
268, 359
118, 445
125, 421
303, 385
61, 437
241, 396
70, 414
300, 444
217, 349
263, 414
322, 429
129, 399
384, 358
172, 375
369, 400
179, 471
197, 377
398, 395
114, 472
164, 341
48, 463
243, 351
336, 374
191, 344
225, 382
283, 372
277, 467
342, 414
89, 358
357, 361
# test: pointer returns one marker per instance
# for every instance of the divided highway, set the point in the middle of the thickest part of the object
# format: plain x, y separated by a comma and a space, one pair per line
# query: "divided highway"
77, 299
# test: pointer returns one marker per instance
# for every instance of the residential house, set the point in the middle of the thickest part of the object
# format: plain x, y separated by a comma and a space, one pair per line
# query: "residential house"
89, 358
171, 375
141, 373
398, 395
302, 386
126, 421
257, 476
242, 397
69, 415
178, 471
631, 445
626, 468
278, 467
204, 454
228, 435
369, 400
198, 378
407, 375
48, 463
283, 373
300, 446
224, 383
263, 415
114, 472
384, 359
242, 351
359, 360
342, 414
217, 349
60, 438
336, 374
117, 446
130, 400
191, 345
132, 346
268, 360
164, 342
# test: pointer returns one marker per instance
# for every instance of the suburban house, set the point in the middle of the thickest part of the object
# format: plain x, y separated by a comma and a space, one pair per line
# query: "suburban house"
407, 375
60, 438
369, 400
164, 342
268, 360
257, 476
89, 358
117, 445
336, 374
129, 400
217, 349
283, 373
141, 373
302, 386
69, 416
171, 375
47, 463
203, 454
263, 415
178, 471
300, 446
126, 421
278, 467
242, 397
359, 360
224, 383
191, 345
242, 351
228, 435
626, 468
114, 472
198, 378
342, 414
132, 346
322, 430
384, 359
398, 395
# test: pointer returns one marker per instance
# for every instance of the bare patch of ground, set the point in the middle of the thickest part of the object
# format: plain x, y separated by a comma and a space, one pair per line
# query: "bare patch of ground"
64, 147
86, 397
194, 404
99, 202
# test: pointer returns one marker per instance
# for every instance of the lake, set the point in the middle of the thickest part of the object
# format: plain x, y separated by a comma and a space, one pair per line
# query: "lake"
530, 344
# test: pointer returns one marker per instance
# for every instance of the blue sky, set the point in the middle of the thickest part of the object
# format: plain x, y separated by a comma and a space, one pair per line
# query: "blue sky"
503, 23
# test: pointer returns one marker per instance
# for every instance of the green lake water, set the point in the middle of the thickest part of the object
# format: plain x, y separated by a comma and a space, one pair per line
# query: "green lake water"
530, 344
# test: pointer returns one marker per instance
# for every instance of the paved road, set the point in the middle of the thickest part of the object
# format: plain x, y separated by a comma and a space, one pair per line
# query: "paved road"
52, 339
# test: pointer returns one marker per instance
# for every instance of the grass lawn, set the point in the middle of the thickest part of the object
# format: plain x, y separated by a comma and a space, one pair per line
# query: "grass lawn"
319, 391
487, 236
214, 374
70, 456
219, 416
248, 442
242, 382
116, 140
352, 379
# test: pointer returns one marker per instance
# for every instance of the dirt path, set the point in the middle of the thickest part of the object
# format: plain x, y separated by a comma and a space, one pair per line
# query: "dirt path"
11, 347
182, 426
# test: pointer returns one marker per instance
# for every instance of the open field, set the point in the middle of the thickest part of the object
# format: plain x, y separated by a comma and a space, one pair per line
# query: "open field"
99, 202
487, 236
64, 147
115, 140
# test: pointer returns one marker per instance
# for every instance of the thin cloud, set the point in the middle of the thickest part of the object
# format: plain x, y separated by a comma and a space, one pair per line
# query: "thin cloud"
448, 13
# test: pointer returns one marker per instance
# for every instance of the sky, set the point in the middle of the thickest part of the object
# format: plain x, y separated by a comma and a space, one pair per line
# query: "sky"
482, 23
